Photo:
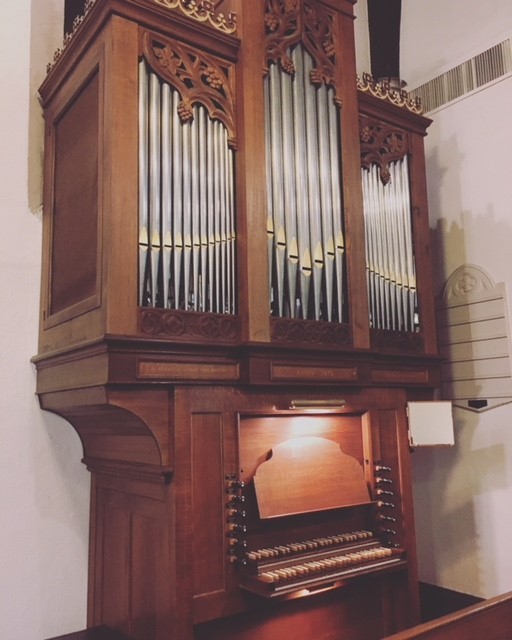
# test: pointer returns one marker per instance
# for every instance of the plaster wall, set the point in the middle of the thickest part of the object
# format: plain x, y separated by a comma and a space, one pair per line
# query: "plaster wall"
44, 489
437, 35
463, 494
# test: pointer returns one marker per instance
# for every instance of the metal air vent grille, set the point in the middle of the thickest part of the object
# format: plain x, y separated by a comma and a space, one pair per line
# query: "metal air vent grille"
480, 70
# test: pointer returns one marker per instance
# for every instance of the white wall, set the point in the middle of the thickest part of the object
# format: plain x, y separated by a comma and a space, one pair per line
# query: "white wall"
363, 64
436, 34
44, 489
463, 495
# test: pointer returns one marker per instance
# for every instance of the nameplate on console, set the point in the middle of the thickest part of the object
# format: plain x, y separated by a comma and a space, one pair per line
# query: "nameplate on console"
282, 372
153, 370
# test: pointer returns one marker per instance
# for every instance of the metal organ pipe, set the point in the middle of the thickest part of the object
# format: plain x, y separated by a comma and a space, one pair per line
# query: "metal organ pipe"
186, 204
166, 189
177, 233
305, 222
301, 185
290, 196
143, 184
154, 183
390, 266
277, 181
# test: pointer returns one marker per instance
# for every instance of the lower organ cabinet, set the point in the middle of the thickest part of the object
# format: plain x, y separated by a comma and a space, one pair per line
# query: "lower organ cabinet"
278, 515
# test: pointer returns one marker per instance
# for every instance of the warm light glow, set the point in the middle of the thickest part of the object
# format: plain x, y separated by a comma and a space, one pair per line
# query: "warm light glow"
303, 426
324, 404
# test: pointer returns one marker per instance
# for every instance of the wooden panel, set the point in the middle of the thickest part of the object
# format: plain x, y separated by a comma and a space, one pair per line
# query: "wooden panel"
147, 534
113, 587
251, 192
74, 266
328, 616
311, 373
124, 447
491, 619
259, 434
208, 503
154, 370
400, 376
395, 453
438, 601
306, 474
133, 574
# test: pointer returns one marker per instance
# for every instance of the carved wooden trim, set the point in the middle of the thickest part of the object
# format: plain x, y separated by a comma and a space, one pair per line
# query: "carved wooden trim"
286, 330
204, 11
69, 36
405, 342
288, 22
198, 77
190, 326
388, 93
381, 144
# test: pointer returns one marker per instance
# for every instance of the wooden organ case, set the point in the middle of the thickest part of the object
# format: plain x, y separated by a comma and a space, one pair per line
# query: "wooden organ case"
236, 308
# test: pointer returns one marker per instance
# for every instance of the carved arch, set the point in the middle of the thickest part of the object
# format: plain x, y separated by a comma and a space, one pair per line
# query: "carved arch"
381, 144
198, 77
289, 22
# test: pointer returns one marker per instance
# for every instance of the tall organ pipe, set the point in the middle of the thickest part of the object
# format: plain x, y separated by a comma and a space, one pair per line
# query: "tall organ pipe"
154, 183
305, 225
301, 185
143, 183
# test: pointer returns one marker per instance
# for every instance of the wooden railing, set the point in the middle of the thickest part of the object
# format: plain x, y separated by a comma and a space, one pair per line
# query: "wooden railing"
490, 619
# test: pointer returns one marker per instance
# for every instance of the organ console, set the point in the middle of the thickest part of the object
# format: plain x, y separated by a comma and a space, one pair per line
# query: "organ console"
236, 308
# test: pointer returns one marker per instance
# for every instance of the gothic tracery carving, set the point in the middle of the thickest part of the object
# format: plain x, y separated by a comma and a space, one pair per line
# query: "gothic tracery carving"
198, 77
204, 11
289, 22
181, 325
381, 144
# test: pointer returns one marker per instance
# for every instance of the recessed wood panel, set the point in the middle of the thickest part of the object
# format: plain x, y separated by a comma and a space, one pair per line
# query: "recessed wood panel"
76, 200
146, 534
207, 505
115, 565
259, 434
308, 474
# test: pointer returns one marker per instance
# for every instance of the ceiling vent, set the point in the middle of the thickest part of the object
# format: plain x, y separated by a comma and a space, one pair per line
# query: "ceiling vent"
473, 74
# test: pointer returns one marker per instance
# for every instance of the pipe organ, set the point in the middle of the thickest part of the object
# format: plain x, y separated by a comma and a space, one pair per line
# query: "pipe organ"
236, 308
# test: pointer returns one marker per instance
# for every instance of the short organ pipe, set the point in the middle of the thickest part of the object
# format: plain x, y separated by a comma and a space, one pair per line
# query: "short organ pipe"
390, 264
